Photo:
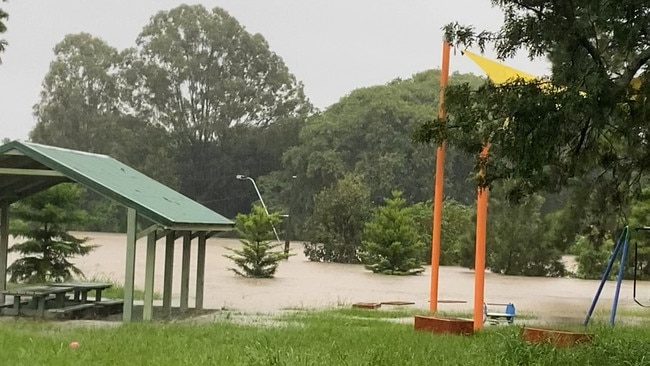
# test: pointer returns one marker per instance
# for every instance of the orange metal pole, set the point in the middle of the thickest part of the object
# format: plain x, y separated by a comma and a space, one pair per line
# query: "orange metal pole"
479, 262
438, 185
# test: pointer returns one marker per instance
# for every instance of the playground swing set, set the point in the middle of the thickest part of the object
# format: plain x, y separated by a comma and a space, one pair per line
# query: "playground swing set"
622, 246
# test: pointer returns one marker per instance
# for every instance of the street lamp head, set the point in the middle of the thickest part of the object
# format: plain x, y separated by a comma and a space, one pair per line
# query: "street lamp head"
241, 177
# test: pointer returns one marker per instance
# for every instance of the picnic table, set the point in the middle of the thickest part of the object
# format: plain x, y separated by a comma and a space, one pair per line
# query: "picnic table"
81, 289
41, 297
39, 294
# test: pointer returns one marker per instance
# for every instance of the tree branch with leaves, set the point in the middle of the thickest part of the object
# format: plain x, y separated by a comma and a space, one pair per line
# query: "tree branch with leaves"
591, 123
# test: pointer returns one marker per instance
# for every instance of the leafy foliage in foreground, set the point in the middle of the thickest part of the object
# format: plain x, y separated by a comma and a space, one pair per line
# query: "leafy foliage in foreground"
584, 128
594, 115
587, 122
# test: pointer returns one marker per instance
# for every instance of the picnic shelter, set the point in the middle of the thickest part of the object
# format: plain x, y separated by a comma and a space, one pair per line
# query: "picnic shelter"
28, 168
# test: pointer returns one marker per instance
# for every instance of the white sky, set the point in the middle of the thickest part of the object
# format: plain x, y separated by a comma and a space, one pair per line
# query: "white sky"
332, 46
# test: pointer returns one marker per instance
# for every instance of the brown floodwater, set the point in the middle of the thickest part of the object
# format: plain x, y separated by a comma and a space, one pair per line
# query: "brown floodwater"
303, 284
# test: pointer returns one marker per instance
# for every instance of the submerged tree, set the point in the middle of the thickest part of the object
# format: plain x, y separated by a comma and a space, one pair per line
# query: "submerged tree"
368, 133
336, 226
257, 257
516, 244
392, 243
456, 223
44, 220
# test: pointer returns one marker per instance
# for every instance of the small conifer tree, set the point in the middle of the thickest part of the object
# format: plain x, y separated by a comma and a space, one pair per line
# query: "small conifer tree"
392, 244
44, 220
257, 257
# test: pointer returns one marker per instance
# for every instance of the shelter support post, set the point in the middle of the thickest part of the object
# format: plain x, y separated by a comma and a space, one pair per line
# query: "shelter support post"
200, 272
4, 248
185, 271
479, 261
149, 272
129, 273
168, 279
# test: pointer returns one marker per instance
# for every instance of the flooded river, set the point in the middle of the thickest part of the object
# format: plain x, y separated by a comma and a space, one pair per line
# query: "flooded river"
303, 284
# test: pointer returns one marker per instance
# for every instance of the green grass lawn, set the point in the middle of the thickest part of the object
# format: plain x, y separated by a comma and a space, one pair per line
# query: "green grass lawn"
337, 337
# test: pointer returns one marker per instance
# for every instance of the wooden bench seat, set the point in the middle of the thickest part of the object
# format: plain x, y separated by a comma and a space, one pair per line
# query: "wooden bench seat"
109, 307
109, 303
70, 309
11, 305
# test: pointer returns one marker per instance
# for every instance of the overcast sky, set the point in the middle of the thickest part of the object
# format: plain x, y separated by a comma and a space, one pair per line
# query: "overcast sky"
332, 46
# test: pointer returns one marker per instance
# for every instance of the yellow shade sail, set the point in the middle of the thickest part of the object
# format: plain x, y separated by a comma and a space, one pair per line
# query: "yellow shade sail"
501, 74
498, 72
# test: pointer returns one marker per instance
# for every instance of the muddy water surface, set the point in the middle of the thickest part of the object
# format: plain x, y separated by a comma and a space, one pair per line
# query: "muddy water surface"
303, 284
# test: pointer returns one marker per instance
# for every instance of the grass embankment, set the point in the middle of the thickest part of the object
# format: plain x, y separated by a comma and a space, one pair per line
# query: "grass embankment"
116, 291
339, 337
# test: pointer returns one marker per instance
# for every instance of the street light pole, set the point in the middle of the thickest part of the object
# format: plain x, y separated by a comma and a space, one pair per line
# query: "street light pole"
243, 177
287, 239
289, 229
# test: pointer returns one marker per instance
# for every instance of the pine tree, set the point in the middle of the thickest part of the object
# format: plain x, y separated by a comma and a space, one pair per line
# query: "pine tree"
256, 258
44, 220
392, 244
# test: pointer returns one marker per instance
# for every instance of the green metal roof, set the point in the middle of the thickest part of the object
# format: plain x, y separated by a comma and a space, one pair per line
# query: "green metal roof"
26, 168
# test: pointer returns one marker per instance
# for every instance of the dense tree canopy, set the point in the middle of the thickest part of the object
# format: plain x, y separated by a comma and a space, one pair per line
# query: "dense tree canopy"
198, 72
517, 242
196, 102
368, 134
82, 107
199, 100
221, 94
80, 97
